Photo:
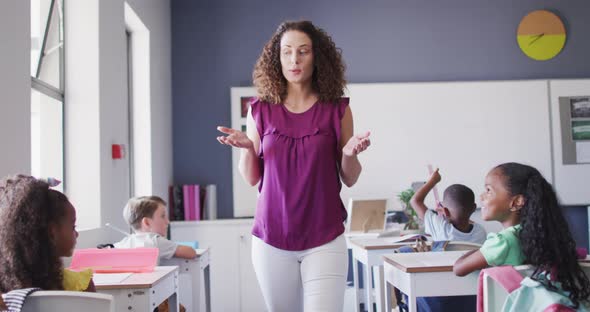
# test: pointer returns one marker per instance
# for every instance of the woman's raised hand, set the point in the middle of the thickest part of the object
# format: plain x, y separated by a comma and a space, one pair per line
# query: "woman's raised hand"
234, 138
357, 144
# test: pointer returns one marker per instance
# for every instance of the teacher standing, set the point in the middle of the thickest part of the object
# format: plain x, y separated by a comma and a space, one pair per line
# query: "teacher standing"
299, 147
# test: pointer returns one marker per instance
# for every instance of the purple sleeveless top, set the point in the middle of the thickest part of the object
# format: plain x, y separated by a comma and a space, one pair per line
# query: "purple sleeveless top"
299, 205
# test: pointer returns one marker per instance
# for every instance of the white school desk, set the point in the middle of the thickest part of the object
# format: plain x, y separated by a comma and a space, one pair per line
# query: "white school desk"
194, 280
143, 291
369, 252
426, 274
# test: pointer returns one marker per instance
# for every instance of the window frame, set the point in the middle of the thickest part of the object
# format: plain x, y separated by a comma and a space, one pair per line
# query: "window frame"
45, 88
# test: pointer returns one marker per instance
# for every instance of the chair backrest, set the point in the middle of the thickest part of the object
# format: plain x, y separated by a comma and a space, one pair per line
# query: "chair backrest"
56, 300
494, 295
453, 246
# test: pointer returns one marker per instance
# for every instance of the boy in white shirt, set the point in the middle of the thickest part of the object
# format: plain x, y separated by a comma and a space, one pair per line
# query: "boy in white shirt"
147, 216
451, 223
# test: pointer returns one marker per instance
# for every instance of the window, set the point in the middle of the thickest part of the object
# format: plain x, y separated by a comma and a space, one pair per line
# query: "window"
47, 91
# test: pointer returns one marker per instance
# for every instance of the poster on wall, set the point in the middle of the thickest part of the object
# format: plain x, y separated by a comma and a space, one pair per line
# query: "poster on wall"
580, 118
244, 195
581, 130
580, 107
244, 104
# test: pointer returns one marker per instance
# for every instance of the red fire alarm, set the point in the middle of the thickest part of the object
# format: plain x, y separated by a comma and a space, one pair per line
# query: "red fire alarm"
118, 151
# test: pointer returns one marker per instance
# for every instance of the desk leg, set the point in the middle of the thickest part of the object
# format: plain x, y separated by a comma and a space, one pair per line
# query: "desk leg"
388, 297
208, 288
378, 278
355, 279
173, 302
412, 299
368, 288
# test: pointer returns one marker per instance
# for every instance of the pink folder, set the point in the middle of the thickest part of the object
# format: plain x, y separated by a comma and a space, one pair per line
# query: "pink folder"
186, 194
115, 260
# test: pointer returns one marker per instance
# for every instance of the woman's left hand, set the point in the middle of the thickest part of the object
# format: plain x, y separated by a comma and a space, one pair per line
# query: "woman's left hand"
357, 144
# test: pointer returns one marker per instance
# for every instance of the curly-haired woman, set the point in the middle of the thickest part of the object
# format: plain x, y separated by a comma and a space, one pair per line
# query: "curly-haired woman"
299, 146
37, 228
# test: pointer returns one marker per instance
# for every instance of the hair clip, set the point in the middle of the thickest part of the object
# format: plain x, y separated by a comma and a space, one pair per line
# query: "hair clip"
53, 182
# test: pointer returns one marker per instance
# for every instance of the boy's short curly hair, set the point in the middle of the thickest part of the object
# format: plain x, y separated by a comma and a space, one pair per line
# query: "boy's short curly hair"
328, 77
28, 255
141, 207
462, 199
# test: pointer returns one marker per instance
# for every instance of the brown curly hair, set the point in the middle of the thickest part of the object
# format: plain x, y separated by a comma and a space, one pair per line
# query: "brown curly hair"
28, 254
328, 75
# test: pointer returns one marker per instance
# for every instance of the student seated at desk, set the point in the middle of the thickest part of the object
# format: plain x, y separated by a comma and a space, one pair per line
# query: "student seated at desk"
535, 232
451, 223
37, 227
147, 216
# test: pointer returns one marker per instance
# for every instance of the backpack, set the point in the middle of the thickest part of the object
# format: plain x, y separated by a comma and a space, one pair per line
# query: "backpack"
526, 294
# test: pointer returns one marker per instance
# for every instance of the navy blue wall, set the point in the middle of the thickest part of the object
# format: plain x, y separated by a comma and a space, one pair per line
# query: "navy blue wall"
215, 45
577, 217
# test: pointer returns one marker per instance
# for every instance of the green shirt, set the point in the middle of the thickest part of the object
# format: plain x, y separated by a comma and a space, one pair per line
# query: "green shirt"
503, 248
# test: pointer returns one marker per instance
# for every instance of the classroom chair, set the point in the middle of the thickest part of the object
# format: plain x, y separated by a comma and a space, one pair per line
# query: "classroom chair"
56, 300
494, 295
454, 246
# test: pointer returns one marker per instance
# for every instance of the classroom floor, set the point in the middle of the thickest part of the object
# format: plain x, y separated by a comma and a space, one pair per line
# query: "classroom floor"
349, 301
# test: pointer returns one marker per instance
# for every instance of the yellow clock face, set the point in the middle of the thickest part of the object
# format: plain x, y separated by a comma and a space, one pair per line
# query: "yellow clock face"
541, 35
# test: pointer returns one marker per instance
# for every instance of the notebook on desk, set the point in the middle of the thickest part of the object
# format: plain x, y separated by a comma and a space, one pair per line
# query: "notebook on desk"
115, 260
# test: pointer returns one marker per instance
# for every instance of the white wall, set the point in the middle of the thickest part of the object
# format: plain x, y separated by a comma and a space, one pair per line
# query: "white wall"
106, 34
15, 88
82, 111
155, 14
96, 103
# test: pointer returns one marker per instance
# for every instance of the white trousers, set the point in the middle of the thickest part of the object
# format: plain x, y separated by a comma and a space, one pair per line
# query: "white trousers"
311, 280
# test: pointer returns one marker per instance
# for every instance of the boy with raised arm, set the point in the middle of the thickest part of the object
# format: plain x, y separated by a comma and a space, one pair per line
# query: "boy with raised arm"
450, 221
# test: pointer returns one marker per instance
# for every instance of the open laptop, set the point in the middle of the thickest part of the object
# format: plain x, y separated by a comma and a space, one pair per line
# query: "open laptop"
367, 217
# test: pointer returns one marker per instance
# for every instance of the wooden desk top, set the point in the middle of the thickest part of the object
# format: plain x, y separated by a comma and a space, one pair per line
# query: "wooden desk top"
201, 251
378, 243
140, 280
424, 261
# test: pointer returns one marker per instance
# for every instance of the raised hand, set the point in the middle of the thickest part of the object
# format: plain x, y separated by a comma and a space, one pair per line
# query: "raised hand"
435, 177
357, 144
234, 138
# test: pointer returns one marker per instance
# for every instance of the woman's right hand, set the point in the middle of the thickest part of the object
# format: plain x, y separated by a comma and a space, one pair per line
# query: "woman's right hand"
234, 138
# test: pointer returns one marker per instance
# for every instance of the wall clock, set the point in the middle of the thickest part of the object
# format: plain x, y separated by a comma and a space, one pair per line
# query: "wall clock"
541, 35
